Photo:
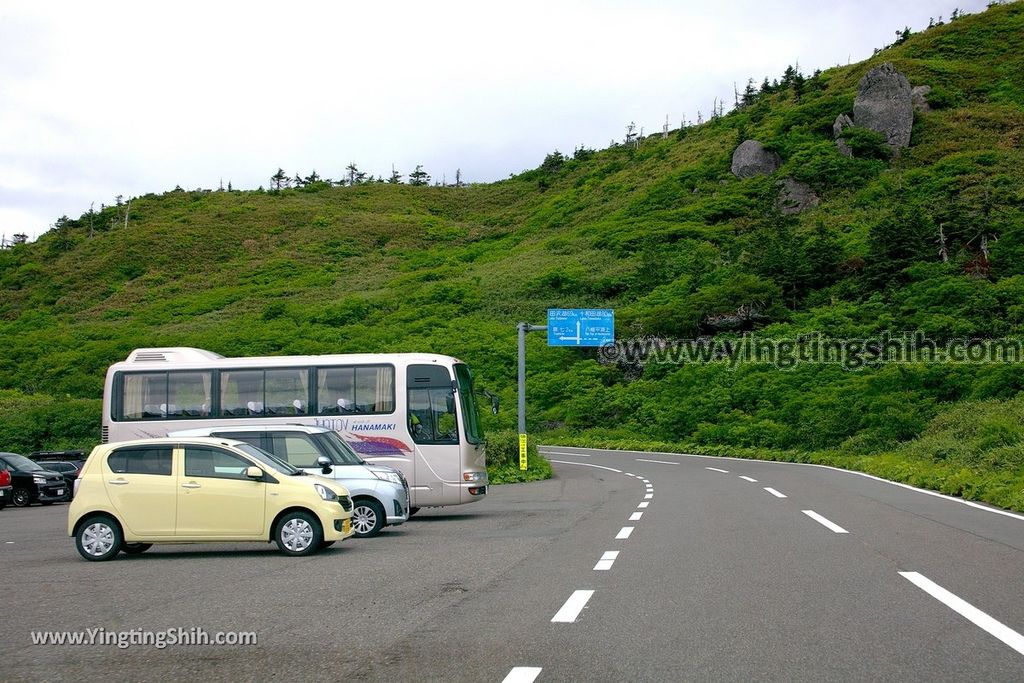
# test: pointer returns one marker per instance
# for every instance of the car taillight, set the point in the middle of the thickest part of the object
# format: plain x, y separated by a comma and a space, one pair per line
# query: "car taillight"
5, 478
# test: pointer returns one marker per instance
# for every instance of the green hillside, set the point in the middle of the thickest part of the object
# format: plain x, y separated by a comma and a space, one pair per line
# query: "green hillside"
663, 233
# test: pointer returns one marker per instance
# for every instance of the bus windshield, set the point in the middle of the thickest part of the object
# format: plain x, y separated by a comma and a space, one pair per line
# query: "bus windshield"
471, 417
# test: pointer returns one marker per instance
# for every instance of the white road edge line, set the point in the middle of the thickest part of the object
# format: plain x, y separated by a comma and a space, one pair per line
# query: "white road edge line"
936, 494
750, 479
775, 493
587, 464
662, 462
522, 674
624, 533
715, 469
572, 607
824, 522
635, 517
967, 611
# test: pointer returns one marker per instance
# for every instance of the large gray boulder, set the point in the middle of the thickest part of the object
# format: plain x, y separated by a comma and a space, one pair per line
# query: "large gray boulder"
752, 159
842, 122
884, 105
795, 197
919, 97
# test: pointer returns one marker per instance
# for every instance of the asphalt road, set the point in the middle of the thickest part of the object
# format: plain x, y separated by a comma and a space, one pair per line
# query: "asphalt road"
625, 567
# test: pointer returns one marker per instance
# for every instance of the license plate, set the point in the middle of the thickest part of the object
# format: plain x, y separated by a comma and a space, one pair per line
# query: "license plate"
345, 526
60, 492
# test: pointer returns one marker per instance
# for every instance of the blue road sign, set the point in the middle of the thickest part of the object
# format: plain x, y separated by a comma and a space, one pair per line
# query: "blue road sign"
581, 326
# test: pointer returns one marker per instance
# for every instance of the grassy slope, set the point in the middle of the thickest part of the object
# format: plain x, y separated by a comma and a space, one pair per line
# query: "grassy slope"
663, 234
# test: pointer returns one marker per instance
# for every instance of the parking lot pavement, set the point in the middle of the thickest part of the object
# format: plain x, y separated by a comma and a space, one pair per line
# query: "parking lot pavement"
340, 613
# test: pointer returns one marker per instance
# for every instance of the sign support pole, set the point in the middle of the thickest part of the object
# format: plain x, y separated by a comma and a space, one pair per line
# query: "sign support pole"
523, 329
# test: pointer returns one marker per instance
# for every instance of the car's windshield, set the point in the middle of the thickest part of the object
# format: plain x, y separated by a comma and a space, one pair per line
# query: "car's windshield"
268, 459
21, 463
340, 452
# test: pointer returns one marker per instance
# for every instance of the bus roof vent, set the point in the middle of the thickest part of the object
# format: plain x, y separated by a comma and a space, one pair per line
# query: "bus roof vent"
178, 354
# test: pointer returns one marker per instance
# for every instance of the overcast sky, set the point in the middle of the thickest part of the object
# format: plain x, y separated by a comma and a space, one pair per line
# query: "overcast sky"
108, 98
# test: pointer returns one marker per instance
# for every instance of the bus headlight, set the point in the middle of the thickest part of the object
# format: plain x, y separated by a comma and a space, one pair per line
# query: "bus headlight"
474, 476
325, 492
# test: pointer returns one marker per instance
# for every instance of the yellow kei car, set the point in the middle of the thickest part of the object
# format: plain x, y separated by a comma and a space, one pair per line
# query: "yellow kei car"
133, 494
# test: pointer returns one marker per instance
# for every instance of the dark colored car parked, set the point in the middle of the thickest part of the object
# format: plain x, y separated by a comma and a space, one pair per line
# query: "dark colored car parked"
68, 470
67, 463
32, 483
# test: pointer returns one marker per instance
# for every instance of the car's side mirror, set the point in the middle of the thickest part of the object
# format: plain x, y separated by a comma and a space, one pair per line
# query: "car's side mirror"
324, 463
254, 472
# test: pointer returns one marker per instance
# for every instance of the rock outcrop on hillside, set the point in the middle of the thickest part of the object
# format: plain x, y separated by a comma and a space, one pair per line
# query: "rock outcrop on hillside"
842, 122
884, 105
919, 97
795, 197
752, 159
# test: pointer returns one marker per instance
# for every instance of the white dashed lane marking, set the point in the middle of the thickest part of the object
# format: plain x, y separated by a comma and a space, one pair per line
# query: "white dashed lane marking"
636, 516
715, 469
572, 607
624, 533
522, 674
775, 493
606, 561
750, 479
967, 611
824, 522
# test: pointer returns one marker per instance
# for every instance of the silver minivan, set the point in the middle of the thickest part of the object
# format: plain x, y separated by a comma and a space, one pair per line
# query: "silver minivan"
380, 494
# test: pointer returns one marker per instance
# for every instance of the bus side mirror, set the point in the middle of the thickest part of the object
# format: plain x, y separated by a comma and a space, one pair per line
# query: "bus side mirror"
324, 463
494, 400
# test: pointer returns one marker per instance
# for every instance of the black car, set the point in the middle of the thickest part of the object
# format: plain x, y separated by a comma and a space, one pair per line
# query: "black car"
68, 463
32, 483
68, 470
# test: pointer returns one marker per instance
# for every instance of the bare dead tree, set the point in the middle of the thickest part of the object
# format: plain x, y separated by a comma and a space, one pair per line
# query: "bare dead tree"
631, 134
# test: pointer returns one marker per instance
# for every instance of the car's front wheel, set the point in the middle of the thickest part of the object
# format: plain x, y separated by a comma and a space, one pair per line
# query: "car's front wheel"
367, 518
298, 533
21, 498
98, 539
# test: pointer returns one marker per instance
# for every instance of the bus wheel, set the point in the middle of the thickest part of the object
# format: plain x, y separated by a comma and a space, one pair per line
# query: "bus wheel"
367, 517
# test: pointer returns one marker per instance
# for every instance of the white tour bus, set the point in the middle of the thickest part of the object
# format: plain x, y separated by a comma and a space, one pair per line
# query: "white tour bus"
415, 412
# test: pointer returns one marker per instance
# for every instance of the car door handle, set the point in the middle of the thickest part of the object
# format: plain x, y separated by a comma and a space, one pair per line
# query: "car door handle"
190, 485
118, 482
